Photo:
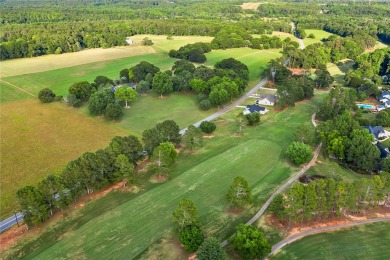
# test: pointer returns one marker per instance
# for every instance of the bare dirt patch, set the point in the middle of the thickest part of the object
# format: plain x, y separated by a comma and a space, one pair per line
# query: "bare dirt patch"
252, 6
158, 178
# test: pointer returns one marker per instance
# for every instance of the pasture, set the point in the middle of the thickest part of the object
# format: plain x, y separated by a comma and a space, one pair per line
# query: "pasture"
127, 223
319, 35
38, 140
370, 241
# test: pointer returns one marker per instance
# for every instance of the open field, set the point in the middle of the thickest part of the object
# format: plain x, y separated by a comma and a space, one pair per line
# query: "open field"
202, 176
378, 45
256, 60
369, 241
339, 70
50, 62
284, 35
60, 80
38, 140
161, 44
319, 34
12, 93
149, 110
252, 6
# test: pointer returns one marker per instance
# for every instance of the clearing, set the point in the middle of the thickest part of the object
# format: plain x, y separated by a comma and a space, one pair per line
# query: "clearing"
319, 35
38, 140
369, 241
339, 70
252, 6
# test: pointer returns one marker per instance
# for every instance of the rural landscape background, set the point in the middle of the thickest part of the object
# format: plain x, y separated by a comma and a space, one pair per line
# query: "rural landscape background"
320, 60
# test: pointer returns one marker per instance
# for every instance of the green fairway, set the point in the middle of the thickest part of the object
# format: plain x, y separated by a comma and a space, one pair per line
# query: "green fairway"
319, 35
132, 227
256, 60
370, 241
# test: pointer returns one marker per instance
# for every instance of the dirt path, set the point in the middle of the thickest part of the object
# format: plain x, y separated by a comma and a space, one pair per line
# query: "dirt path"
318, 230
285, 185
12, 85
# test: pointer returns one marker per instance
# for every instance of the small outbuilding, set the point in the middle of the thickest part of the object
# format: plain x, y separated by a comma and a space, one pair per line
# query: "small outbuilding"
255, 109
129, 41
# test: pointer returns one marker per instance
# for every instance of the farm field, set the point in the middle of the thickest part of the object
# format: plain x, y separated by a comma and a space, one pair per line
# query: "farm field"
11, 93
202, 176
369, 241
319, 34
38, 140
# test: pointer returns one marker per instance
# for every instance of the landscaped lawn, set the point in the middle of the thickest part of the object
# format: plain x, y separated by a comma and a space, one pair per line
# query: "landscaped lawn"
40, 139
370, 241
319, 35
130, 226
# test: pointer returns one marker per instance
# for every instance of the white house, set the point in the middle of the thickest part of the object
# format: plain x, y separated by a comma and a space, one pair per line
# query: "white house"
266, 100
255, 109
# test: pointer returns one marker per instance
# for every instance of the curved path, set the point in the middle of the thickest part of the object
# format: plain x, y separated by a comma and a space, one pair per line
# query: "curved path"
318, 230
232, 105
285, 185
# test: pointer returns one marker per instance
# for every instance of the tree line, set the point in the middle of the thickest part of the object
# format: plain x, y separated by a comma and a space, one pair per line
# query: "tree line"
327, 198
93, 171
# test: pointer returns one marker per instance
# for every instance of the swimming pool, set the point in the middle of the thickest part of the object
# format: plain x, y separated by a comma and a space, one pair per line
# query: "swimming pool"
365, 106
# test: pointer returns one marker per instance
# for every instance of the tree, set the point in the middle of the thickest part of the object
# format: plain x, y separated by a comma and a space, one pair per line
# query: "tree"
169, 131
146, 41
299, 152
361, 152
211, 249
98, 102
73, 101
143, 86
207, 127
127, 145
181, 65
186, 214
162, 83
32, 204
151, 139
124, 74
252, 118
239, 193
191, 238
323, 78
124, 169
45, 95
218, 96
141, 71
126, 94
199, 86
82, 90
311, 36
205, 104
163, 157
304, 134
277, 207
193, 137
250, 242
102, 81
113, 111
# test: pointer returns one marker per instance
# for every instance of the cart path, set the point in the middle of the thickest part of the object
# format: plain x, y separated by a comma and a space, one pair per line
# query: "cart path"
12, 85
318, 230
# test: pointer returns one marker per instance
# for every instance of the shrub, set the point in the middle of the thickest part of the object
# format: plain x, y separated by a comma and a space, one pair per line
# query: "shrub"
211, 249
207, 127
191, 237
311, 36
250, 242
253, 118
73, 100
59, 98
201, 97
205, 104
46, 95
299, 152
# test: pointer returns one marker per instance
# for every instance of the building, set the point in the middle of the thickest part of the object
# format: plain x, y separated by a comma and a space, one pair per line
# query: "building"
378, 132
255, 109
266, 100
129, 41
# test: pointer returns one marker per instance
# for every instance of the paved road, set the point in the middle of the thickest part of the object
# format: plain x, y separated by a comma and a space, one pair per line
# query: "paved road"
230, 106
9, 222
313, 231
301, 44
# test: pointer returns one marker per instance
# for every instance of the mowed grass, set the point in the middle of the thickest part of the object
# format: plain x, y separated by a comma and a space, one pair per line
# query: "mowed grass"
339, 70
370, 241
38, 140
319, 35
120, 233
60, 80
10, 93
50, 62
256, 60
204, 176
